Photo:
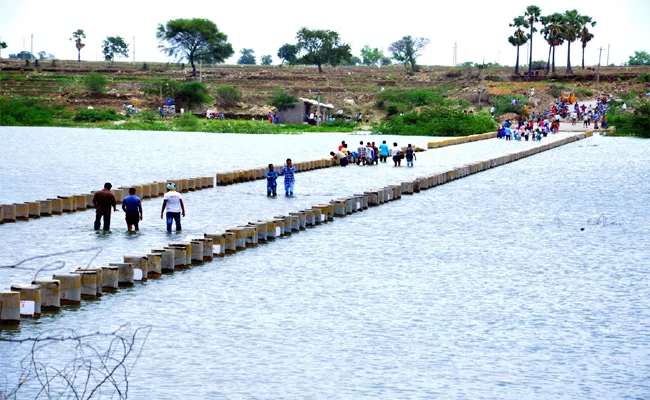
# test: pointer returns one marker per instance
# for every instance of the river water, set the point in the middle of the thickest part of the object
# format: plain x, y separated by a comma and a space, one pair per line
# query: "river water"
487, 287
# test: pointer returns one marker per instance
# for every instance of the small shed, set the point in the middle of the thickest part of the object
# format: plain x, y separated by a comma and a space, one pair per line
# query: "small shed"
301, 110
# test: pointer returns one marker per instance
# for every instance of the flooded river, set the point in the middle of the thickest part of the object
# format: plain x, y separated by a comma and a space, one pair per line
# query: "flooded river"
524, 281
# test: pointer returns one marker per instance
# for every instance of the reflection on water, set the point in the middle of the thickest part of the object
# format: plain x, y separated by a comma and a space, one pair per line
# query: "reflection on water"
482, 288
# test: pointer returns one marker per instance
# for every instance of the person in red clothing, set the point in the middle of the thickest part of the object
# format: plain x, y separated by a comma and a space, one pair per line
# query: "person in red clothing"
104, 202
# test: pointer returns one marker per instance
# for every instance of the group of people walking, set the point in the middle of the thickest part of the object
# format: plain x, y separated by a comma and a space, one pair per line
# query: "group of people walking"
370, 154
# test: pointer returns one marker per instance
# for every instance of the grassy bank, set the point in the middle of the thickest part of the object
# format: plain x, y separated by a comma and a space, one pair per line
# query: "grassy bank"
633, 122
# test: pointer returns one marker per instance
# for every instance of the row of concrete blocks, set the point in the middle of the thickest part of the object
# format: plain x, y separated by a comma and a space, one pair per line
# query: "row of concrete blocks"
80, 202
91, 282
247, 175
461, 140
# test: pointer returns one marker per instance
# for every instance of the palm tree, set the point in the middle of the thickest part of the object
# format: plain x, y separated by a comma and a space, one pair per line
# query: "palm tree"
552, 32
585, 35
77, 36
533, 13
571, 33
519, 38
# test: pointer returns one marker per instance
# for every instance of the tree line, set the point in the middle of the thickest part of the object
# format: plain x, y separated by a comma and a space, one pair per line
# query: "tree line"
556, 29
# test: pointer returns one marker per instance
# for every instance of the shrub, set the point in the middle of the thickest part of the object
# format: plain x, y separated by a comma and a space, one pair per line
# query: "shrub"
539, 65
88, 115
503, 104
633, 124
644, 77
556, 90
282, 100
228, 95
148, 116
96, 83
164, 87
24, 111
439, 121
187, 121
193, 94
584, 92
410, 98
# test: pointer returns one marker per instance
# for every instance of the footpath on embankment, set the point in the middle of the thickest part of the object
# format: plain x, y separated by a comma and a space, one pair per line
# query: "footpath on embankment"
29, 299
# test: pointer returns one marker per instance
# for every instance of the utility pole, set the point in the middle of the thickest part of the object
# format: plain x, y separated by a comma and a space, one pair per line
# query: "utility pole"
32, 47
600, 53
455, 61
608, 44
133, 49
481, 86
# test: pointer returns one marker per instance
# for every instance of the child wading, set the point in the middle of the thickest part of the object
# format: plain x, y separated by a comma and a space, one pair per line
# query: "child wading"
289, 178
271, 182
410, 155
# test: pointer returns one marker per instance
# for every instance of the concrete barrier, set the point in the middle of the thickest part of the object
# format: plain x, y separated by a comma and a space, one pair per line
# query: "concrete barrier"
110, 278
240, 237
50, 294
80, 202
208, 248
45, 207
218, 243
119, 195
166, 259
67, 203
154, 265
139, 261
302, 220
279, 227
196, 254
340, 207
373, 198
8, 213
70, 288
30, 299
188, 252
230, 242
261, 230
125, 274
9, 308
180, 258
34, 209
22, 211
407, 187
91, 282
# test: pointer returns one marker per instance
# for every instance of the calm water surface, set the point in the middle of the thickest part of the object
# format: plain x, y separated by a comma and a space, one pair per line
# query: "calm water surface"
482, 288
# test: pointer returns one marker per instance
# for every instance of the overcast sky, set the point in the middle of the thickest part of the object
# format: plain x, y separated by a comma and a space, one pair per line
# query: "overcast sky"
479, 27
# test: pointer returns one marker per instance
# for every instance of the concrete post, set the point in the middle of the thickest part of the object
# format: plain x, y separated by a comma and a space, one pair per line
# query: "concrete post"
407, 187
34, 209
208, 248
119, 195
279, 226
271, 229
166, 259
340, 209
180, 260
125, 274
373, 198
260, 227
70, 288
161, 188
80, 202
186, 185
50, 294
191, 184
188, 252
240, 237
230, 242
154, 265
146, 191
29, 293
8, 213
9, 308
67, 204
22, 211
139, 261
91, 282
45, 207
318, 216
327, 210
57, 206
218, 243
197, 251
110, 278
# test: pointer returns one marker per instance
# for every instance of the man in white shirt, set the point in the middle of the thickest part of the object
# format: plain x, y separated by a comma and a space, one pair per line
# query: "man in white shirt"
397, 155
173, 203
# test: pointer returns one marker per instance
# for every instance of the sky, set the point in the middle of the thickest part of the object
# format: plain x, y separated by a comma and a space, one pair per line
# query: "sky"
480, 28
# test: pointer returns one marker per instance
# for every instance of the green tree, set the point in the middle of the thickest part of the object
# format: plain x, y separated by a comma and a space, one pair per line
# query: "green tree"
194, 39
191, 95
228, 95
533, 14
585, 35
407, 50
321, 47
386, 60
96, 83
287, 53
113, 45
77, 36
519, 38
552, 32
3, 45
23, 55
639, 58
571, 32
370, 56
267, 60
247, 57
282, 100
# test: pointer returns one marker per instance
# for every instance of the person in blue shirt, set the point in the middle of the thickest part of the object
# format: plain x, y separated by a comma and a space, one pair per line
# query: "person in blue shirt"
384, 152
289, 178
271, 182
132, 207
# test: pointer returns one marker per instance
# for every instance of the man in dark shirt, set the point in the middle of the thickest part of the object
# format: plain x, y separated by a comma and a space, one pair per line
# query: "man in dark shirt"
104, 201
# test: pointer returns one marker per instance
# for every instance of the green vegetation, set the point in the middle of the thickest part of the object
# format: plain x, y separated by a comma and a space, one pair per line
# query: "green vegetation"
192, 95
20, 111
90, 115
194, 124
77, 36
644, 77
407, 50
228, 95
267, 60
320, 47
636, 123
247, 57
96, 83
402, 100
639, 58
112, 46
439, 121
503, 104
288, 53
282, 100
370, 56
519, 38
